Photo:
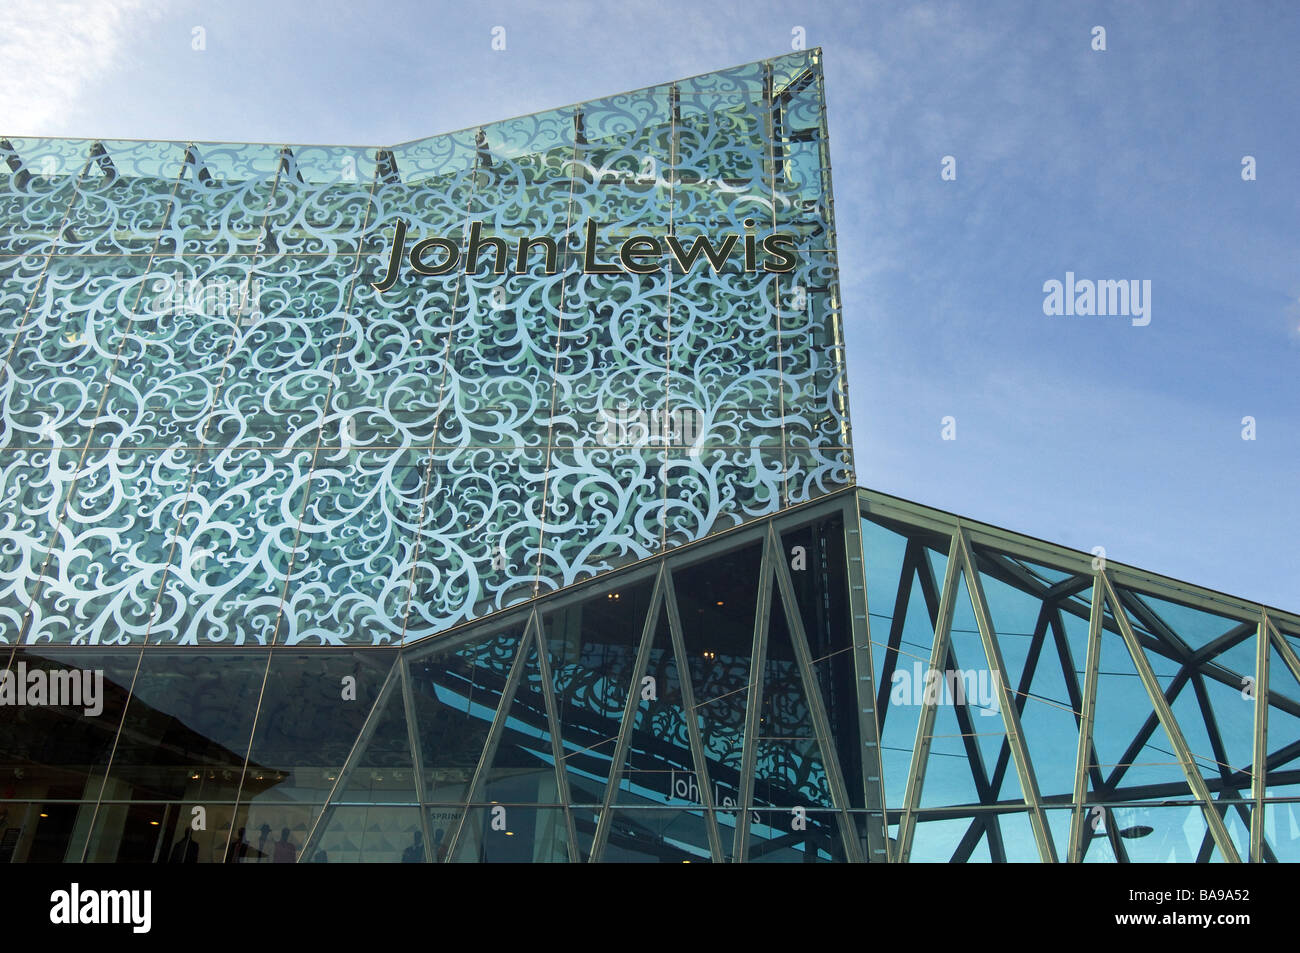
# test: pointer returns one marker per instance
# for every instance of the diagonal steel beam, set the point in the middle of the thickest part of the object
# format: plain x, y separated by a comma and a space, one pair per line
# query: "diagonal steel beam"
984, 789
1259, 760
1022, 692
754, 704
1003, 568
1067, 587
1070, 675
813, 695
417, 754
1157, 698
966, 846
1087, 721
1116, 842
557, 740
629, 715
349, 763
488, 755
1149, 642
1221, 761
925, 723
980, 776
1284, 649
901, 599
1153, 623
1217, 747
1236, 634
1007, 704
702, 779
961, 710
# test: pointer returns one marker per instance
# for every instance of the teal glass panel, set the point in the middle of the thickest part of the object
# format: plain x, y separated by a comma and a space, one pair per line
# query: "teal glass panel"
455, 692
1195, 627
353, 834
313, 707
592, 648
657, 836
795, 837
938, 838
659, 767
882, 557
63, 708
38, 181
510, 834
718, 600
1282, 822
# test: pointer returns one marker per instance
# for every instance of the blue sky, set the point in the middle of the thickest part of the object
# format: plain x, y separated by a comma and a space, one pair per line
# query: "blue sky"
1116, 164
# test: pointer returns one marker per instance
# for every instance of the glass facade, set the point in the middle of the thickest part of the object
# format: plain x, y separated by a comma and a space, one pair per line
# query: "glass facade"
490, 498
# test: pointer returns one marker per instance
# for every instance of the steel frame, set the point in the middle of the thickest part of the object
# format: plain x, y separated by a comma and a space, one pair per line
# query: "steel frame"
629, 714
557, 744
973, 550
923, 527
754, 702
489, 752
812, 692
1157, 697
1062, 557
349, 764
1006, 702
702, 779
925, 724
872, 768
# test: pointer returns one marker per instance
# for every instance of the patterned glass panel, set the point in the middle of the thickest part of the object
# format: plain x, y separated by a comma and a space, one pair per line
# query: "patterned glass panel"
354, 396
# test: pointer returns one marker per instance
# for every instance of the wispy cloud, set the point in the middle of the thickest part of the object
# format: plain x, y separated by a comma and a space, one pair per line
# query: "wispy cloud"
53, 50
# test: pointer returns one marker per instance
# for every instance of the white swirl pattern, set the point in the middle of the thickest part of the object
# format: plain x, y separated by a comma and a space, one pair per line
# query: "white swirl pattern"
336, 465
